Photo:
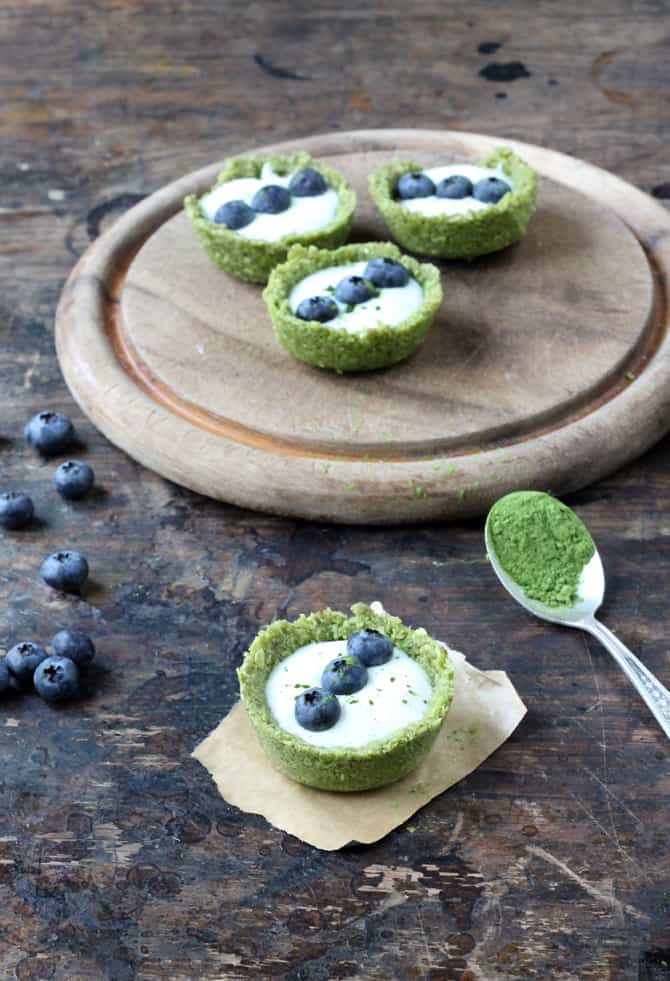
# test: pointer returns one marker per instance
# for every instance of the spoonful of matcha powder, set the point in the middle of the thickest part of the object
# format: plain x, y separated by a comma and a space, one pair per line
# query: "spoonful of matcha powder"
541, 544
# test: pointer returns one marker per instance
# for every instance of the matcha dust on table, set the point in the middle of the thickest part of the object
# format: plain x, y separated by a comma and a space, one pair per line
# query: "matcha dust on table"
541, 544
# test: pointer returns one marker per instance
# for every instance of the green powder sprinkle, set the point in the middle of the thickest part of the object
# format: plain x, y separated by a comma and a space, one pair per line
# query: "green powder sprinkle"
541, 544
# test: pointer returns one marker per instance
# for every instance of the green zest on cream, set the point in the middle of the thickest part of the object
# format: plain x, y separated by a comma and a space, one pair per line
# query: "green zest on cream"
541, 544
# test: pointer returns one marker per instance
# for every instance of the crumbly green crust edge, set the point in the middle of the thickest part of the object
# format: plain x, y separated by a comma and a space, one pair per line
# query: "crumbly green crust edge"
344, 769
332, 347
254, 260
459, 236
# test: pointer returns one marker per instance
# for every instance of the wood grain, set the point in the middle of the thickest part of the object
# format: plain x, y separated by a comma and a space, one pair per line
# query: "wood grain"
117, 861
161, 348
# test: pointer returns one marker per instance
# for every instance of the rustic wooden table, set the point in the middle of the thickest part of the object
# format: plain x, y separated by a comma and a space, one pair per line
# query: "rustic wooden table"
117, 857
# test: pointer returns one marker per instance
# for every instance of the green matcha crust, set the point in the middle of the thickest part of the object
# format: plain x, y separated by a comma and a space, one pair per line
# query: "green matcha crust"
461, 236
379, 762
254, 260
333, 347
541, 544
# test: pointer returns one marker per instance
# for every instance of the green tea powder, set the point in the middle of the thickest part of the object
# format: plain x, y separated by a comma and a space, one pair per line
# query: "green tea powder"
541, 544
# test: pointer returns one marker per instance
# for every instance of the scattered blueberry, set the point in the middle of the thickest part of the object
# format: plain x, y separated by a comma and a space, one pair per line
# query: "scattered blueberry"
234, 214
454, 187
490, 190
385, 273
50, 433
344, 675
22, 660
56, 679
74, 644
271, 199
320, 308
316, 710
307, 183
370, 647
73, 479
415, 185
354, 289
4, 676
16, 510
67, 571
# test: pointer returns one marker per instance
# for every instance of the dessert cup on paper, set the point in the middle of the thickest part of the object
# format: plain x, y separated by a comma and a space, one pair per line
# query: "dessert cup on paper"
374, 763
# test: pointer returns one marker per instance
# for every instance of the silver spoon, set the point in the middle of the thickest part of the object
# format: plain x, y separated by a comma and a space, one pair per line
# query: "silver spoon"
582, 616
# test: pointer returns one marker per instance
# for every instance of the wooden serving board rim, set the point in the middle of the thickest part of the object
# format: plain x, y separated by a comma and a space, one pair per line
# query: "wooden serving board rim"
616, 426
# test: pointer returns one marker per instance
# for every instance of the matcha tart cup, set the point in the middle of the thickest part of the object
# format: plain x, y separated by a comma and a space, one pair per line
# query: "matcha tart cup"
333, 347
459, 236
344, 769
254, 259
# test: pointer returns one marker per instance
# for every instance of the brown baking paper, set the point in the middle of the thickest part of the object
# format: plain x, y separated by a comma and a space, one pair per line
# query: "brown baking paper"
485, 711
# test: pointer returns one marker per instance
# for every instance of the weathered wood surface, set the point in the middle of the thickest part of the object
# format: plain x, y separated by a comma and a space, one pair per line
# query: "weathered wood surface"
117, 858
547, 365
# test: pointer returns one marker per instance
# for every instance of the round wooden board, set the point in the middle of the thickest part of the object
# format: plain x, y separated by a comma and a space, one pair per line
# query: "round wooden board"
548, 365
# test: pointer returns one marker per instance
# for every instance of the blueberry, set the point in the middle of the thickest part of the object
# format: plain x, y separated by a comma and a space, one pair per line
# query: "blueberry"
490, 190
271, 199
307, 183
66, 570
316, 710
50, 433
353, 289
74, 644
4, 676
73, 479
234, 214
22, 660
386, 273
320, 308
454, 187
370, 647
415, 185
57, 679
16, 510
344, 675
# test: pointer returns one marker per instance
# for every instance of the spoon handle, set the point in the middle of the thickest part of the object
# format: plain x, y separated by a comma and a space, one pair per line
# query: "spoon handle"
648, 686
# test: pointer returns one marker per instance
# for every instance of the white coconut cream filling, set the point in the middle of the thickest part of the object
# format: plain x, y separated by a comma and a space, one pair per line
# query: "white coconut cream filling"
396, 694
305, 214
390, 307
433, 205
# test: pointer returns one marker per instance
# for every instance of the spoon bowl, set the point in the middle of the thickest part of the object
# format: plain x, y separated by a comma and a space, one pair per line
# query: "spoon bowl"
581, 615
590, 592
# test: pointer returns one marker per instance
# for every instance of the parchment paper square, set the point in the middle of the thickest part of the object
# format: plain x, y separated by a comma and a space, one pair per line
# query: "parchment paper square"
485, 711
